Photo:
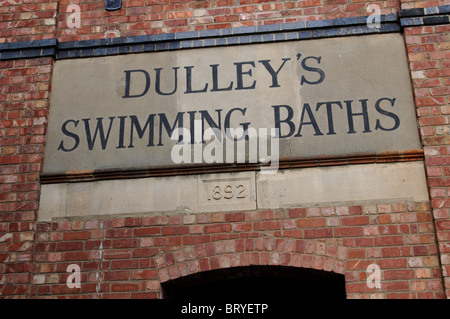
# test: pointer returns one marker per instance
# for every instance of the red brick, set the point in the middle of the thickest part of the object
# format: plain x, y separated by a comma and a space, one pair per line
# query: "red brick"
118, 232
297, 212
75, 256
357, 253
116, 275
204, 264
395, 285
63, 289
124, 264
242, 227
349, 231
267, 214
267, 225
144, 252
69, 246
443, 225
389, 241
175, 230
352, 221
234, 217
195, 240
424, 65
398, 274
310, 222
214, 263
80, 235
355, 210
430, 101
144, 295
219, 228
147, 231
318, 233
125, 243
119, 287
144, 274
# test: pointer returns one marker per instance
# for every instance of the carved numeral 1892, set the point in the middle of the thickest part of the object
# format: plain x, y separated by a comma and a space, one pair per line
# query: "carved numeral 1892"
226, 191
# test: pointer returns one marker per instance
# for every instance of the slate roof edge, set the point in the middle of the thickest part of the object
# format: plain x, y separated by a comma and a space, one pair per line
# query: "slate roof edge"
230, 36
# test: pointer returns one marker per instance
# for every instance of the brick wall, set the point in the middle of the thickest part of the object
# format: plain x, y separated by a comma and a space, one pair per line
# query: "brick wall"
429, 53
27, 20
142, 17
36, 20
24, 92
131, 256
411, 4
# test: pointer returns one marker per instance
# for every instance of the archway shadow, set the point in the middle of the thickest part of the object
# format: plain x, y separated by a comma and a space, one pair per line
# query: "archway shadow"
256, 283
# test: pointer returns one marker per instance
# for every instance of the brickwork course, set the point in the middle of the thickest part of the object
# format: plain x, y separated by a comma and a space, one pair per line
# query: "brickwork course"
131, 256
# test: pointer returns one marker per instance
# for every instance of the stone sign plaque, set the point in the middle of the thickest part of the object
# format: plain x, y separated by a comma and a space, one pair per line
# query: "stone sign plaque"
324, 97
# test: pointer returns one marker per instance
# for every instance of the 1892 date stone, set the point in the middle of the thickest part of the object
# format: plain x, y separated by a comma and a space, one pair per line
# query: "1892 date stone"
218, 192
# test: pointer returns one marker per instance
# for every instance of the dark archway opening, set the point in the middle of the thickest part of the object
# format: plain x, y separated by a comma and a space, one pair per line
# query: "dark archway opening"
258, 283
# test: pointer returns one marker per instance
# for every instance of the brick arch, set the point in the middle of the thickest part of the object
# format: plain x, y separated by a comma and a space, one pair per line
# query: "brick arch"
301, 253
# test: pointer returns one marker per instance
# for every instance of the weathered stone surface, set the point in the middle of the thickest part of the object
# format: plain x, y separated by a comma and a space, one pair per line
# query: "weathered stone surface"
158, 195
342, 184
346, 185
328, 97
